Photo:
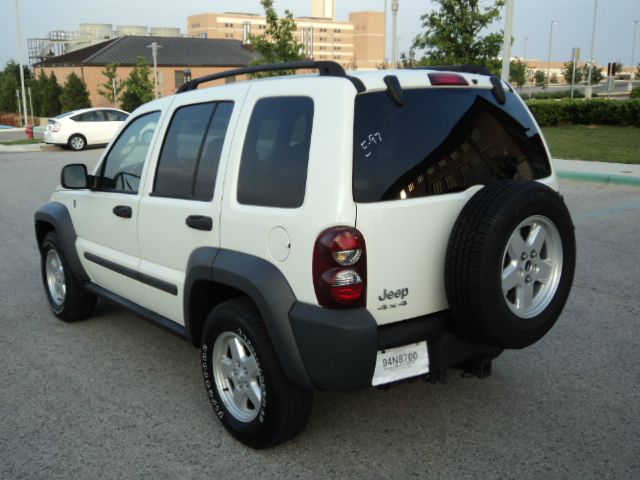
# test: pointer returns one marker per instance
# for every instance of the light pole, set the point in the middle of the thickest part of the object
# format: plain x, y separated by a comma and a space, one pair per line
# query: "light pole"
394, 9
384, 55
526, 70
19, 40
587, 92
154, 53
633, 48
506, 41
553, 22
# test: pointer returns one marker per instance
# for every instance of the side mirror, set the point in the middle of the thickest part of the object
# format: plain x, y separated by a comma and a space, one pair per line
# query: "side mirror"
74, 176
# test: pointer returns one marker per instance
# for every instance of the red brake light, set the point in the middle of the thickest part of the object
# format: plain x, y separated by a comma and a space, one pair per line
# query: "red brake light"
340, 268
443, 79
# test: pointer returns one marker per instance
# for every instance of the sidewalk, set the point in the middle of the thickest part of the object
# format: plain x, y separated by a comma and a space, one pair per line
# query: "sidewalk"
600, 172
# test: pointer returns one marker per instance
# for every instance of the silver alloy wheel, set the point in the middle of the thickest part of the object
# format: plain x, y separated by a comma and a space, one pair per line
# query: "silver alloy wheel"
77, 142
531, 266
235, 371
55, 278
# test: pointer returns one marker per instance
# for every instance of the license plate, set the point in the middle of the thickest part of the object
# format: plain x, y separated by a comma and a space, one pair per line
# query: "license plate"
398, 363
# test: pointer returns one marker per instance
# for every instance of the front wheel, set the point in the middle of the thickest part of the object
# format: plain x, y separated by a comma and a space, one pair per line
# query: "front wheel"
67, 298
247, 388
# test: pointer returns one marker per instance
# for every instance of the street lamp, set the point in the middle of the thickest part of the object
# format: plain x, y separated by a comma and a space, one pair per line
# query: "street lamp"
394, 9
633, 48
154, 53
506, 41
19, 40
593, 45
553, 22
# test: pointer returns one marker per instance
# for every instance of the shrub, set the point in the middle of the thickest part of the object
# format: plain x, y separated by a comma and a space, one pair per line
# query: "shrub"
587, 112
635, 93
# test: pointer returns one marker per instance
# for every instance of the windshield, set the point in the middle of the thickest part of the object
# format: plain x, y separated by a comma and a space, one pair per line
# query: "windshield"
441, 141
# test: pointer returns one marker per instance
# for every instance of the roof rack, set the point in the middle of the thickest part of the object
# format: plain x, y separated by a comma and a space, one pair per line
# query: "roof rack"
326, 68
477, 69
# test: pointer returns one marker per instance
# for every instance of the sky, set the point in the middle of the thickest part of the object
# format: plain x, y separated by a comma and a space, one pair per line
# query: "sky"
532, 18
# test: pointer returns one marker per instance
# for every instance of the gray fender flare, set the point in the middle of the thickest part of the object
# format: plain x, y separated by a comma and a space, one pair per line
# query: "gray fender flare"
57, 216
267, 287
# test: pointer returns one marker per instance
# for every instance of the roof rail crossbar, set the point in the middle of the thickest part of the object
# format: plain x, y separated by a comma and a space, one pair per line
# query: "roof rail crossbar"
325, 67
477, 69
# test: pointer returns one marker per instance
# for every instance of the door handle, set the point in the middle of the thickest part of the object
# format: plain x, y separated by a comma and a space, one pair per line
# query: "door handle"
199, 222
122, 211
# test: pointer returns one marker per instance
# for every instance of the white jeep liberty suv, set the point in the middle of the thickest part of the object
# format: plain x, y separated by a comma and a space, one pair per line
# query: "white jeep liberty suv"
329, 231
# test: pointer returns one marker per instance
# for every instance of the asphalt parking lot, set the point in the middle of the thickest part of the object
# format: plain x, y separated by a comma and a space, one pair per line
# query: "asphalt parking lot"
116, 397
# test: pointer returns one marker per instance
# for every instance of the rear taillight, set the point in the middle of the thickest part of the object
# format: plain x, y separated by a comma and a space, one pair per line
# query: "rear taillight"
444, 79
55, 127
340, 268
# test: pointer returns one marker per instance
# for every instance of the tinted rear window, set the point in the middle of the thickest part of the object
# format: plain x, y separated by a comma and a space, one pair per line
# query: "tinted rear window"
441, 141
275, 156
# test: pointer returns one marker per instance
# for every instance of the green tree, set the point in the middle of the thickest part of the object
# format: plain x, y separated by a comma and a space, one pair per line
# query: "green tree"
554, 78
596, 73
50, 96
8, 87
567, 72
518, 73
13, 68
107, 88
277, 44
540, 79
138, 87
74, 94
454, 34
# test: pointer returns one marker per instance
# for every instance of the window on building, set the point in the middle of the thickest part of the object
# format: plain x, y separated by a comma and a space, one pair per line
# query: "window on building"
179, 78
275, 156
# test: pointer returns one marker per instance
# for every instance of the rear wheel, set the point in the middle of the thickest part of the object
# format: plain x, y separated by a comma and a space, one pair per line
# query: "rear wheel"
67, 298
510, 263
77, 142
247, 388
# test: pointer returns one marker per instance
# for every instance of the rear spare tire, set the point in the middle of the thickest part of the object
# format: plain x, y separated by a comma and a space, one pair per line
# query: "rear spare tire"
510, 263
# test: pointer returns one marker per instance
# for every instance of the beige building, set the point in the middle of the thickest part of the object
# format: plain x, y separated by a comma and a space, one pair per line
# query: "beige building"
356, 43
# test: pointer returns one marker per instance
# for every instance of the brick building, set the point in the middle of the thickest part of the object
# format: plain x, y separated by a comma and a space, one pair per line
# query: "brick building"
178, 58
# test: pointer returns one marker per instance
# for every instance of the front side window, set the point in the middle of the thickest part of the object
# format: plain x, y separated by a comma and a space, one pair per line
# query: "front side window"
441, 141
275, 156
123, 165
191, 151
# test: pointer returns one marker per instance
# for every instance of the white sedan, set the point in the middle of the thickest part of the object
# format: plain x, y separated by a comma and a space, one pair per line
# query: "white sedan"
88, 126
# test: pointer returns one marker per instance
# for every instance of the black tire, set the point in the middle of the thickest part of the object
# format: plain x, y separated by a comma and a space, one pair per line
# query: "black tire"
284, 409
76, 303
77, 142
477, 258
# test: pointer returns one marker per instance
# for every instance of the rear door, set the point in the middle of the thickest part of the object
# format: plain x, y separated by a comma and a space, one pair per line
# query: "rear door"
180, 211
415, 166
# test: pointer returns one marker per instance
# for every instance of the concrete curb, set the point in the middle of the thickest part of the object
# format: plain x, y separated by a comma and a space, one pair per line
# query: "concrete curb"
600, 178
34, 147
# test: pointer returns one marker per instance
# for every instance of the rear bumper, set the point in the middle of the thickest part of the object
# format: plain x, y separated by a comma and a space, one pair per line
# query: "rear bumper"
339, 347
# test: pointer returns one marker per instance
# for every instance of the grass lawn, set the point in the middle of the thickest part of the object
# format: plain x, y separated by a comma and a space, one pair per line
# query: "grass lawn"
602, 143
25, 141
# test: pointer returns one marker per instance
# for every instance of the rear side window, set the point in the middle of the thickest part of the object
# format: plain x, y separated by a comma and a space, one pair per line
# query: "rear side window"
275, 156
190, 155
93, 116
441, 141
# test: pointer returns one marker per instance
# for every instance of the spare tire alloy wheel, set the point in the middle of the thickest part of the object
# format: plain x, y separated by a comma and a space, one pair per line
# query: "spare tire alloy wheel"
510, 263
532, 264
